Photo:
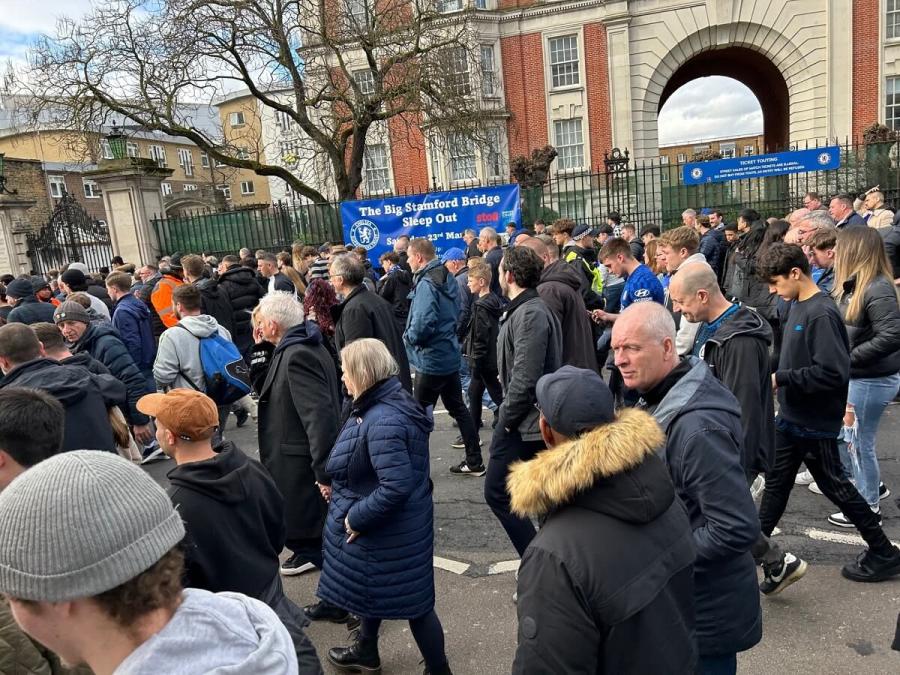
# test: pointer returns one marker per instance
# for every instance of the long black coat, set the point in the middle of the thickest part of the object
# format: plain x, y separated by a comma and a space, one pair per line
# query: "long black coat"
364, 314
244, 291
299, 404
560, 290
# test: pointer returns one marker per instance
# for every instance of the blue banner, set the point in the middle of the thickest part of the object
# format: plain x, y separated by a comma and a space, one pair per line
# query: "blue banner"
760, 166
440, 217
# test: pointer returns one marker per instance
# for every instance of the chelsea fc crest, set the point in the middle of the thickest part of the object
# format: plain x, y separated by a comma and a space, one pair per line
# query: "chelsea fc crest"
364, 233
697, 173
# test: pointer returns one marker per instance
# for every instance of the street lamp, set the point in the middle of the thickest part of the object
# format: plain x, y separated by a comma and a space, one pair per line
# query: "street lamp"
3, 188
117, 144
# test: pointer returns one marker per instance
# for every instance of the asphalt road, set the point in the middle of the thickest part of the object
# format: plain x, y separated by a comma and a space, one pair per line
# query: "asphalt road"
822, 625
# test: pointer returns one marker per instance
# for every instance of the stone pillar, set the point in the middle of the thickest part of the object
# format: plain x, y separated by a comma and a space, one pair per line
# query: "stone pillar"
132, 197
13, 228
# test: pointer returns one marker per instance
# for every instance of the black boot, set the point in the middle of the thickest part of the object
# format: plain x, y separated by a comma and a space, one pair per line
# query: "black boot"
443, 670
360, 657
321, 611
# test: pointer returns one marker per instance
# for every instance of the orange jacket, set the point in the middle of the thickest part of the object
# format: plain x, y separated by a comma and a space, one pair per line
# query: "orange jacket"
161, 297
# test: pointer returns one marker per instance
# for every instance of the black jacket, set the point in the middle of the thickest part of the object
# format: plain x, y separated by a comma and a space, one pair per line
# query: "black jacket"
240, 284
606, 585
102, 342
281, 283
31, 310
702, 423
746, 286
560, 290
234, 520
364, 314
712, 246
582, 260
738, 354
480, 345
875, 335
395, 287
637, 249
216, 303
87, 361
98, 290
892, 246
299, 405
144, 293
84, 396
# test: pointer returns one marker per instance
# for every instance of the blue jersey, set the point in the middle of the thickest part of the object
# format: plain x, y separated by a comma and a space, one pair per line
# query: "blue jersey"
642, 286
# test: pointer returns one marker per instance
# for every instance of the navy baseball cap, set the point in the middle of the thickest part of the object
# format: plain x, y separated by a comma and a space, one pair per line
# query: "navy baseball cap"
583, 230
574, 400
453, 254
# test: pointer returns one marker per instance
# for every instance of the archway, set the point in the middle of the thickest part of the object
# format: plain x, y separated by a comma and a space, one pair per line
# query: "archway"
752, 69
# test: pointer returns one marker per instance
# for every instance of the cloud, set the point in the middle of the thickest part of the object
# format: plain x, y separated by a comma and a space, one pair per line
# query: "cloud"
709, 107
22, 21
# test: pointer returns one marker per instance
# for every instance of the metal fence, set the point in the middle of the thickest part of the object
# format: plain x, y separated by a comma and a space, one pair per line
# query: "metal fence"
644, 193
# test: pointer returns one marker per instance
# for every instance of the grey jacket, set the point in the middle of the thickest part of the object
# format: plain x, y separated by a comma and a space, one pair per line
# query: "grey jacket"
216, 633
178, 354
529, 345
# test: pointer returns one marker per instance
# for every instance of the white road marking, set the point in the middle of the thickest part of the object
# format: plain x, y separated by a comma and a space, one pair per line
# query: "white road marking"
837, 537
451, 565
503, 567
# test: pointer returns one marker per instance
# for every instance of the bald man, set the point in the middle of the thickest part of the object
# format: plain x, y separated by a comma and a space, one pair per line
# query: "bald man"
701, 420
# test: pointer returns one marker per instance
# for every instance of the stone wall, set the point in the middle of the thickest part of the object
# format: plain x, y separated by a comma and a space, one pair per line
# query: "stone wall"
28, 178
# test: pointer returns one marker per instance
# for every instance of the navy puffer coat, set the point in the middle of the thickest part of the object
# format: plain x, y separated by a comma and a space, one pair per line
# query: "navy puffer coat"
379, 472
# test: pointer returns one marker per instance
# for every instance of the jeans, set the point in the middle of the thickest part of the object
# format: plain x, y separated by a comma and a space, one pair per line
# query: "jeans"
719, 664
465, 379
426, 631
483, 381
869, 397
765, 552
427, 390
508, 447
824, 463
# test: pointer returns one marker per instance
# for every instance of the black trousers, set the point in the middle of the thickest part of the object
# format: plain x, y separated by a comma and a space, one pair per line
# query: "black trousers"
824, 463
427, 390
483, 379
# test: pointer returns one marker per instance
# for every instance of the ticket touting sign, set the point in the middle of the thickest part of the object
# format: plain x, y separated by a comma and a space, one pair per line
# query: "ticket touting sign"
440, 217
761, 166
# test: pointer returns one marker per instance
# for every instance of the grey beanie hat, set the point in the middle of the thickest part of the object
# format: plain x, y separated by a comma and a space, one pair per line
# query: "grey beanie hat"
71, 311
79, 524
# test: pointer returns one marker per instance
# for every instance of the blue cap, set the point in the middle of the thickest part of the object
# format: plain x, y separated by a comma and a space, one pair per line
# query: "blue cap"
453, 254
583, 230
574, 400
706, 212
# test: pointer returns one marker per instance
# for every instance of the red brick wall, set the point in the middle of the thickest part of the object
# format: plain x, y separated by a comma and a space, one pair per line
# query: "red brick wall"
599, 118
523, 75
408, 155
866, 103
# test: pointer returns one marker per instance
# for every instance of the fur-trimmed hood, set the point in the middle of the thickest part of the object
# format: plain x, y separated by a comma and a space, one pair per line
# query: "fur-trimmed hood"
613, 469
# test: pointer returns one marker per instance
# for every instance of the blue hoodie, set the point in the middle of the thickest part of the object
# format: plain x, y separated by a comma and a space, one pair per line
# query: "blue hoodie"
430, 337
131, 317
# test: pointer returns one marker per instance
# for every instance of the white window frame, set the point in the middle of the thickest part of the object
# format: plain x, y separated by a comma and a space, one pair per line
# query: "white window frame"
377, 177
565, 161
165, 189
664, 174
204, 159
681, 158
236, 119
58, 182
559, 59
749, 150
242, 153
699, 149
158, 154
493, 155
358, 12
463, 160
365, 80
663, 159
132, 149
189, 187
186, 161
288, 149
449, 6
481, 4
460, 79
488, 65
892, 102
892, 19
244, 188
728, 150
225, 189
91, 189
106, 149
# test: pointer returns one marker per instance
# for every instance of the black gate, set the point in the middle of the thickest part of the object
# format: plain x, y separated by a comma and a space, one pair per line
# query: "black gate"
71, 235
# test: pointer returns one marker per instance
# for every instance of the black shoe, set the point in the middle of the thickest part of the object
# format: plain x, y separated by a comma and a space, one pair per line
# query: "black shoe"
871, 566
322, 611
883, 492
791, 569
241, 416
463, 469
359, 657
458, 443
295, 565
443, 670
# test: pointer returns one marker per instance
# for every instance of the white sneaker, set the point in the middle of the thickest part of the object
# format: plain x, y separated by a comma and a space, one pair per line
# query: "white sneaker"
803, 478
840, 520
814, 487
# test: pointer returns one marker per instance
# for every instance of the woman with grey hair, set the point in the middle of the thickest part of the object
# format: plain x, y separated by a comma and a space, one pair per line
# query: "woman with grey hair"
379, 534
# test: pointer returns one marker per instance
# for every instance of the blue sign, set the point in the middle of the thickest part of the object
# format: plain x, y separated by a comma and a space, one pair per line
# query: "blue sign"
760, 166
440, 217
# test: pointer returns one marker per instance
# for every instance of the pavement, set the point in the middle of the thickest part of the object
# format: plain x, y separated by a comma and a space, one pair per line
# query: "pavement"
822, 625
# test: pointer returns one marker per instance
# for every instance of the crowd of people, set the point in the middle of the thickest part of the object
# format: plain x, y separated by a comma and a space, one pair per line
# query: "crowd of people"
644, 390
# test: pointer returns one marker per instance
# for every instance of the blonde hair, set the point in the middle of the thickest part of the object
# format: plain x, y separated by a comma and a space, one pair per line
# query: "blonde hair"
859, 252
367, 361
480, 270
287, 269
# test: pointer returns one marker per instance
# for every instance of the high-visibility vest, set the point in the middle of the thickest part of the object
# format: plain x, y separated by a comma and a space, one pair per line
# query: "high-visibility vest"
161, 297
593, 273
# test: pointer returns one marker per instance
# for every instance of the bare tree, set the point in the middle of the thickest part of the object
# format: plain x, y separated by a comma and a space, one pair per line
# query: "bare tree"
333, 69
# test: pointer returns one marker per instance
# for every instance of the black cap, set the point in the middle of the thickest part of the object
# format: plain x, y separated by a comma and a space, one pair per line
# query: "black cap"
605, 229
73, 277
38, 282
574, 400
582, 230
19, 288
175, 261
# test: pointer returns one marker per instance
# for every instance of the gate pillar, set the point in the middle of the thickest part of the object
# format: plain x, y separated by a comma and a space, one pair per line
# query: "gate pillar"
132, 196
13, 229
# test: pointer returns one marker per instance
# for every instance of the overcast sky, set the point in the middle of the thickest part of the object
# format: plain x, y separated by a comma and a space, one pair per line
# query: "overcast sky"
706, 108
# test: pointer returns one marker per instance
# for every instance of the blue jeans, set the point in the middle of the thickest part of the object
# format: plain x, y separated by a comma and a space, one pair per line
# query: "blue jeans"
465, 378
869, 397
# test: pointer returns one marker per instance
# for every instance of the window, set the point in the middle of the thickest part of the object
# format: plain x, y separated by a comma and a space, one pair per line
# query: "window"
165, 188
700, 149
488, 72
132, 149
358, 11
564, 61
91, 189
663, 159
480, 4
57, 186
247, 187
461, 150
892, 25
892, 110
376, 169
447, 6
186, 161
236, 119
682, 158
158, 154
436, 172
573, 205
283, 120
225, 190
365, 80
204, 160
290, 152
105, 149
727, 150
569, 143
241, 153
189, 187
664, 175
458, 71
492, 158
748, 150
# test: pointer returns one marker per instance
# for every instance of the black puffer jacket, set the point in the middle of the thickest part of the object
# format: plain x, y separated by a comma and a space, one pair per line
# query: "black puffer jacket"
480, 344
892, 245
560, 289
394, 287
746, 285
31, 310
216, 303
875, 334
98, 290
244, 291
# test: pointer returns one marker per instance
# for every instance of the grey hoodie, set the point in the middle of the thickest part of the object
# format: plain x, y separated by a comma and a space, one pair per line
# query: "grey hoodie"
216, 634
178, 354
